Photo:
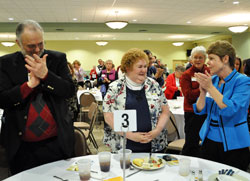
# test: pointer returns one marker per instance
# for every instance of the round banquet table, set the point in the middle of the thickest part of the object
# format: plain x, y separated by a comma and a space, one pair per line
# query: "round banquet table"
167, 173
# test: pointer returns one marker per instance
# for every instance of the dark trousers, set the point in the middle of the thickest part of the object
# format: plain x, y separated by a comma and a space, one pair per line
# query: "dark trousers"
239, 158
176, 93
192, 128
32, 154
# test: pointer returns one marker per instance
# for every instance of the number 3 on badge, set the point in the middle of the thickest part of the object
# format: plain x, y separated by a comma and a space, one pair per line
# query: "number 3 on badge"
125, 120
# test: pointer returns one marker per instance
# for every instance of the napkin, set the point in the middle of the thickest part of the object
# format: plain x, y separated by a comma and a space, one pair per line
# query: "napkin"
114, 179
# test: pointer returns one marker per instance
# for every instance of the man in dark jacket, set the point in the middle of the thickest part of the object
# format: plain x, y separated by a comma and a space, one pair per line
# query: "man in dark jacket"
34, 84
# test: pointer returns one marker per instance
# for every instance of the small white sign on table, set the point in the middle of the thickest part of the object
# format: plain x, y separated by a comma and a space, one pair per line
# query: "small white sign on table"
124, 121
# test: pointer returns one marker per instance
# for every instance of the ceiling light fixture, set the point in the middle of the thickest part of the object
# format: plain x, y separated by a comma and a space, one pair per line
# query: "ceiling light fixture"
101, 43
238, 28
177, 44
8, 43
116, 24
236, 2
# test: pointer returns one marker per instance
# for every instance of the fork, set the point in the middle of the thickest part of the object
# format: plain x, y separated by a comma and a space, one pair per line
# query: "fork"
150, 154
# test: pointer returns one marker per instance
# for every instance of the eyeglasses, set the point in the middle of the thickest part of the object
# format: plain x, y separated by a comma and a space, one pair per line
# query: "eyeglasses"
199, 58
34, 46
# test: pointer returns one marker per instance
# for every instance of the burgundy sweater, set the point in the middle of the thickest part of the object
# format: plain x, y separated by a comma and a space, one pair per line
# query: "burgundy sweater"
190, 87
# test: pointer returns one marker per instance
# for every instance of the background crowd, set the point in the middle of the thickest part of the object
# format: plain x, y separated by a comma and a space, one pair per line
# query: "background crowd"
39, 86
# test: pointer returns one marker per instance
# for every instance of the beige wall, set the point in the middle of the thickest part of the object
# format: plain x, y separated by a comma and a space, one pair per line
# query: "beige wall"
206, 42
241, 43
87, 52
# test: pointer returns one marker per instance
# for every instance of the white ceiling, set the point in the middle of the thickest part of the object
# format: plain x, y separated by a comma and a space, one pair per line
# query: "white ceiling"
214, 13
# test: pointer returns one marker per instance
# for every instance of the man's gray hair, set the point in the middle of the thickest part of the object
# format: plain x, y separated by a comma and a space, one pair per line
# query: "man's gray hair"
198, 49
33, 25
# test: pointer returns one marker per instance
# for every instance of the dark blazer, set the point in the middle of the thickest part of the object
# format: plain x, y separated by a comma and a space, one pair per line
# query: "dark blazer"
55, 88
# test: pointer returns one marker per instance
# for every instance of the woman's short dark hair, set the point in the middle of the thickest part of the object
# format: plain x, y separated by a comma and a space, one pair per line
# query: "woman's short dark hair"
222, 48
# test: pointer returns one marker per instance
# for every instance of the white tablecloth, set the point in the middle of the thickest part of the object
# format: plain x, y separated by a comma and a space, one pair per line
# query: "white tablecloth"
168, 173
95, 92
176, 107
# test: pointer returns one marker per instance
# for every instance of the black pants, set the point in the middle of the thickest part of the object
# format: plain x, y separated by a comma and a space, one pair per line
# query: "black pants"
239, 158
32, 154
176, 93
192, 128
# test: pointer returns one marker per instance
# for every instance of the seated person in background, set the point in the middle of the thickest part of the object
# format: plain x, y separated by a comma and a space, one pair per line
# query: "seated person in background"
224, 97
173, 88
137, 91
107, 76
237, 64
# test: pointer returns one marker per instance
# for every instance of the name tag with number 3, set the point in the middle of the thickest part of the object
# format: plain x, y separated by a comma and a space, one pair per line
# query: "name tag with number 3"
125, 120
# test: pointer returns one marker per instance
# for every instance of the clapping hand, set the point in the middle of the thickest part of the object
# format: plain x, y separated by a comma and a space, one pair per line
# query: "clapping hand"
205, 80
33, 80
37, 65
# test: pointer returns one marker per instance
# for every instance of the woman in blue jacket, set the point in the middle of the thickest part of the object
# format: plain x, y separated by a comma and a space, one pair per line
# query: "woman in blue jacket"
224, 97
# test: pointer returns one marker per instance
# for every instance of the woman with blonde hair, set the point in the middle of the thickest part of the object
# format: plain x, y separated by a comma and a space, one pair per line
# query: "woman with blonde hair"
79, 73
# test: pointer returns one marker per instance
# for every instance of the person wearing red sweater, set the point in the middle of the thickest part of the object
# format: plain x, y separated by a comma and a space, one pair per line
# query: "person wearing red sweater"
93, 74
172, 83
191, 91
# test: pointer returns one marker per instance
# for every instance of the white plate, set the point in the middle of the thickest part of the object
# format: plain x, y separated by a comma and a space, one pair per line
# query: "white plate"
151, 168
227, 177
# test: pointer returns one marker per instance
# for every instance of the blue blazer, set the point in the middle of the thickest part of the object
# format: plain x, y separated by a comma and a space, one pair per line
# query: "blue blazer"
232, 119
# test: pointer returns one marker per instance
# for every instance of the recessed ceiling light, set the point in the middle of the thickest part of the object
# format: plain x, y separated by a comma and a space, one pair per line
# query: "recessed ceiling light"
189, 22
11, 19
134, 20
74, 19
236, 2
